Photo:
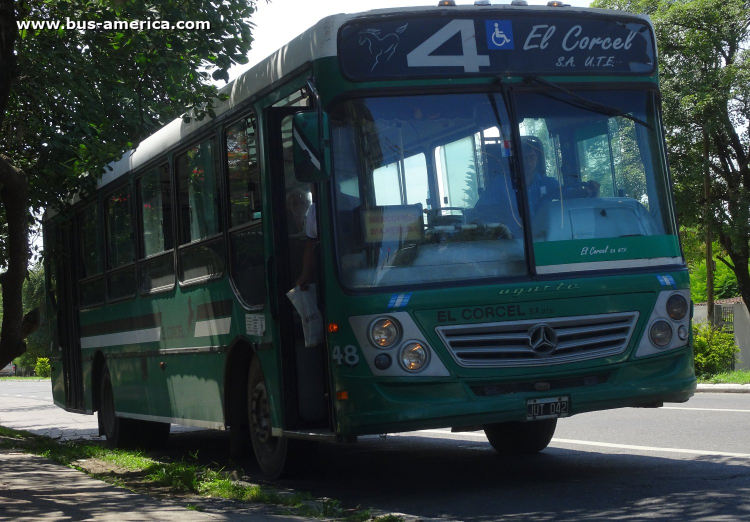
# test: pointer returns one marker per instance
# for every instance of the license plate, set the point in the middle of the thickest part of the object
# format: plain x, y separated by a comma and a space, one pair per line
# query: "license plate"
550, 408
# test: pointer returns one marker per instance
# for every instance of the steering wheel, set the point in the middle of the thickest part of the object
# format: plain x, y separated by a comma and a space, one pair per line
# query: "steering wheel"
439, 218
581, 189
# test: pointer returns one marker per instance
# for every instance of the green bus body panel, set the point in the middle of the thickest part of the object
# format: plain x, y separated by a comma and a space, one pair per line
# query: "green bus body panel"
331, 83
180, 375
58, 383
422, 405
610, 249
379, 404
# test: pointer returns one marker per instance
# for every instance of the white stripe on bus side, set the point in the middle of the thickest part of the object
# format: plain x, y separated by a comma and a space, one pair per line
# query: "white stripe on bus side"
608, 265
148, 335
213, 327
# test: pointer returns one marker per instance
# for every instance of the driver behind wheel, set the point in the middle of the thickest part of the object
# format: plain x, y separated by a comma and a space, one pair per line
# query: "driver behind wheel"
539, 186
498, 201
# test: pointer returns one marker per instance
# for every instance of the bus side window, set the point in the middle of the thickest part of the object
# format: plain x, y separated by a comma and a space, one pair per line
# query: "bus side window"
246, 259
91, 284
156, 268
201, 254
120, 252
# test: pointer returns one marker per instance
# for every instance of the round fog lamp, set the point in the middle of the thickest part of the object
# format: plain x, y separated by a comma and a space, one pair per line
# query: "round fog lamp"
682, 332
414, 356
661, 333
384, 332
677, 307
383, 361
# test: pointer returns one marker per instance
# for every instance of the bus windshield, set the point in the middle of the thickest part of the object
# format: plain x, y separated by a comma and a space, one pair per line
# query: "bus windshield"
433, 188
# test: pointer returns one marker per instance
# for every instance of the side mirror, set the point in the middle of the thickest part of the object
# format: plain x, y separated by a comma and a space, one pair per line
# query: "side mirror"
311, 156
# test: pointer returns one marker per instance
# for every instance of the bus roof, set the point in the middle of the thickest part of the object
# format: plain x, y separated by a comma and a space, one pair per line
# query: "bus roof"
318, 41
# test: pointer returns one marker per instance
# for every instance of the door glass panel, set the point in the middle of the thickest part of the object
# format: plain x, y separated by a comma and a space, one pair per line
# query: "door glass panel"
119, 228
243, 172
198, 192
91, 259
246, 250
156, 211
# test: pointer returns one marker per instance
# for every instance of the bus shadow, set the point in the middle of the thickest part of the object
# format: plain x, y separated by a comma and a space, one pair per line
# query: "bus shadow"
467, 480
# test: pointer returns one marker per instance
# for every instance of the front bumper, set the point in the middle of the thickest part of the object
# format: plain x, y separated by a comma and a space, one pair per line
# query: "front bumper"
398, 405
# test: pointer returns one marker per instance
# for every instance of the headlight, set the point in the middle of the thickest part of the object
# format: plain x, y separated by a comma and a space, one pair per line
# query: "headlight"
682, 332
661, 333
385, 332
414, 356
677, 307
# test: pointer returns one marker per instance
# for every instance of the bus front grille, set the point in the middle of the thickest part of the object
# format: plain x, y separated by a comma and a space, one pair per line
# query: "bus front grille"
539, 342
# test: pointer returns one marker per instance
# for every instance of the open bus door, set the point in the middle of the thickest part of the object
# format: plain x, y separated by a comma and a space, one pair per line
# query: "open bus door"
305, 380
67, 382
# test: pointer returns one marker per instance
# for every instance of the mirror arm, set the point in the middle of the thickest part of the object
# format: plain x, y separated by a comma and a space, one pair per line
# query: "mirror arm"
319, 106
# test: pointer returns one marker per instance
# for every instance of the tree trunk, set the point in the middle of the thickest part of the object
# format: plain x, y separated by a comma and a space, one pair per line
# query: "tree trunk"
14, 197
709, 239
8, 35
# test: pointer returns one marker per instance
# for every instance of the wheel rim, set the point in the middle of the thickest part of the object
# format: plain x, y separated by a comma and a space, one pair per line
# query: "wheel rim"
261, 416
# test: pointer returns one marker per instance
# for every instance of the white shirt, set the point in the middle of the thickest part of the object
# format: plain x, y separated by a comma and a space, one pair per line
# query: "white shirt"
311, 223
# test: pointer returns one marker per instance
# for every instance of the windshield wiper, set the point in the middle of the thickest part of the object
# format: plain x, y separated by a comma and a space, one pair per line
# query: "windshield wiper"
584, 103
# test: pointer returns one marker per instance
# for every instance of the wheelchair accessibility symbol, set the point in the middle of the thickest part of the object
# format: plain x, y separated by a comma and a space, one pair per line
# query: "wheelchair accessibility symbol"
499, 38
499, 34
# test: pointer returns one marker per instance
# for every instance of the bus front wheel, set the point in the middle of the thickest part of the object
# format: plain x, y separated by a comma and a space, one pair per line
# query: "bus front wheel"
276, 456
520, 438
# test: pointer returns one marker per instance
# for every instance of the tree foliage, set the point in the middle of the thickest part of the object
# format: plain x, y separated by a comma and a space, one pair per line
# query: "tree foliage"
715, 351
73, 100
704, 62
42, 367
725, 283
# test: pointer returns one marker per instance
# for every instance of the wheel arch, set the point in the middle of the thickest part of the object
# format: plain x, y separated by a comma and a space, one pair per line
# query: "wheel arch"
236, 370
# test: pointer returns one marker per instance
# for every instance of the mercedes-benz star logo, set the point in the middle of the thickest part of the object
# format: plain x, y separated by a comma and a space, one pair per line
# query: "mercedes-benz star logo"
542, 339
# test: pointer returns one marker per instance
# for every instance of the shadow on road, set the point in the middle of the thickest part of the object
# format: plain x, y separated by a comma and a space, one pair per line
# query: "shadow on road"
467, 480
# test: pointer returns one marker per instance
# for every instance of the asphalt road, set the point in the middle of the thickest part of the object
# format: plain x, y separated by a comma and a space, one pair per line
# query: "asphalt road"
682, 462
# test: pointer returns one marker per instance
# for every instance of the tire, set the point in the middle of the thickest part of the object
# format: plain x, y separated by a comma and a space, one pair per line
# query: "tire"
520, 438
114, 428
277, 457
126, 433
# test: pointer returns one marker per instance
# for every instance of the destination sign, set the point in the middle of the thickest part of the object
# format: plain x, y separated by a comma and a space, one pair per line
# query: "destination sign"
495, 43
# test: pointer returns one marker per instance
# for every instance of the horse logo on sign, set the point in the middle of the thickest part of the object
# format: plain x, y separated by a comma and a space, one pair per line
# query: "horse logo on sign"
380, 47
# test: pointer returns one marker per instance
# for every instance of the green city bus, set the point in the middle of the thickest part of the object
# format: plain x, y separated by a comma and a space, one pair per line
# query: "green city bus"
477, 196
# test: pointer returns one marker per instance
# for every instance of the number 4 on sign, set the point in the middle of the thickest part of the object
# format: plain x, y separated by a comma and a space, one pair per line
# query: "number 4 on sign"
469, 59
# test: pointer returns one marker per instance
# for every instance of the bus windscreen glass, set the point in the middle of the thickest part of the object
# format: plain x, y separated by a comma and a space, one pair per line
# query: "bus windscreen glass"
430, 188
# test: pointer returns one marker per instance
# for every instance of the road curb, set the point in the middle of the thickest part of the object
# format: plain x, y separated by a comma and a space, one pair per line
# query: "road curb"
723, 388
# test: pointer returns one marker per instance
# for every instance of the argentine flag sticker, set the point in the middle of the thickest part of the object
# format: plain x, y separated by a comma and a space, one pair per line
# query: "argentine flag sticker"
666, 280
399, 300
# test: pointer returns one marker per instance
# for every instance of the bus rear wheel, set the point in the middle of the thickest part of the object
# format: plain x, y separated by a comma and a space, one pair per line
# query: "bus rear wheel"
123, 433
276, 456
114, 428
520, 438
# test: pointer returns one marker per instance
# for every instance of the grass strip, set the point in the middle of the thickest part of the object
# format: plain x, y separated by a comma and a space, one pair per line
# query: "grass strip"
735, 377
183, 477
